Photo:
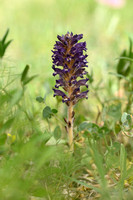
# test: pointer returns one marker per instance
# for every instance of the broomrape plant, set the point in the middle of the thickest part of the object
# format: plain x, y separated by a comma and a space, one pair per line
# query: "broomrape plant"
69, 63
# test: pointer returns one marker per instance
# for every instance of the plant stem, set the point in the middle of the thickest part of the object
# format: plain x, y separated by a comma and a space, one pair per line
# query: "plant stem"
70, 126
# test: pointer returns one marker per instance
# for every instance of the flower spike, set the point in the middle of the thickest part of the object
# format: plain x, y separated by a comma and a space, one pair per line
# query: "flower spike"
69, 63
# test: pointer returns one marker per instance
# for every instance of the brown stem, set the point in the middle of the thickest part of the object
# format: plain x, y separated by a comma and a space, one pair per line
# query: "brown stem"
70, 126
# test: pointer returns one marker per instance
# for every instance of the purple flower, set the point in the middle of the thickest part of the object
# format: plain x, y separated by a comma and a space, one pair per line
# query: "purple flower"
59, 83
82, 82
68, 56
81, 96
62, 94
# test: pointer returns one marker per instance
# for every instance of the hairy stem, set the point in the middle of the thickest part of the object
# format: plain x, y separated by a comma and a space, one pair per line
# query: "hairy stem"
70, 126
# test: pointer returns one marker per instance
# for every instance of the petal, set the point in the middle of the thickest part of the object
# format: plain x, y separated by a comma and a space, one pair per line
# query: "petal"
62, 39
81, 83
59, 93
76, 38
80, 96
83, 95
59, 83
60, 72
80, 72
76, 91
62, 94
79, 47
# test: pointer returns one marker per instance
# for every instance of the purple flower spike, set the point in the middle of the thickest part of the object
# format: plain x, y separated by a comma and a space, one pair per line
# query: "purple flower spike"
69, 62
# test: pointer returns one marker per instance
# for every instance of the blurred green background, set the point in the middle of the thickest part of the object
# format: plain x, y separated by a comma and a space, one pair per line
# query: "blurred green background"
34, 25
31, 165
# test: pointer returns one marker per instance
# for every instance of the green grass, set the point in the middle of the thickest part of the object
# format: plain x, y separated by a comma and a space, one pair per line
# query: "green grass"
35, 161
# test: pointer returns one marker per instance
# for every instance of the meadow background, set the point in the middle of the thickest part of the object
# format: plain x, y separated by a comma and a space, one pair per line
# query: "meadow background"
30, 169
34, 26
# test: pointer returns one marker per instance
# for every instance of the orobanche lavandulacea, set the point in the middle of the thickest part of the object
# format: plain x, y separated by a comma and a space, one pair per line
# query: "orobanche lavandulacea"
69, 63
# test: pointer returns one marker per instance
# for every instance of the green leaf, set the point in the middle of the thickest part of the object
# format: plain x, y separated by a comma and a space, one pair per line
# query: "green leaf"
54, 111
123, 66
6, 45
126, 58
40, 99
24, 73
5, 36
126, 120
47, 112
90, 76
57, 133
1, 50
118, 75
24, 77
124, 117
6, 125
104, 131
114, 111
130, 48
84, 126
27, 80
129, 119
91, 128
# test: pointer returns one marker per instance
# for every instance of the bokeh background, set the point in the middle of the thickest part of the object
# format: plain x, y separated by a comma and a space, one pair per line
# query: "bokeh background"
35, 24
